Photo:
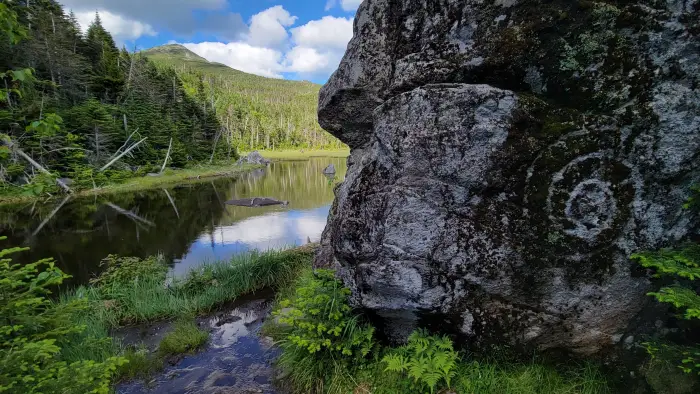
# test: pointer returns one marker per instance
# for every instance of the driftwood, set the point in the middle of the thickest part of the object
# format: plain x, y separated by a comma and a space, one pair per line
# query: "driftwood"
130, 214
256, 202
172, 202
122, 155
167, 156
51, 215
42, 169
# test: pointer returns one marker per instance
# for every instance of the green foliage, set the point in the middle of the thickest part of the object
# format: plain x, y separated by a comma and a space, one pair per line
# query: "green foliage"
34, 330
184, 338
681, 263
319, 333
10, 26
125, 270
322, 320
428, 360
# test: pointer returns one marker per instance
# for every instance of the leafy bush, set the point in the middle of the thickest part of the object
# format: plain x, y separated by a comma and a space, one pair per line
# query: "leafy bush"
34, 329
124, 270
428, 360
680, 263
321, 331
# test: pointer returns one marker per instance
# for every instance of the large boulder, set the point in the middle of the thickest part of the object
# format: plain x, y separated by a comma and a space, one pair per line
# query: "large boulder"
507, 158
254, 158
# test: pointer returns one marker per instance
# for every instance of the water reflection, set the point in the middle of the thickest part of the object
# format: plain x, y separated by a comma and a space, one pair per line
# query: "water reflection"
189, 224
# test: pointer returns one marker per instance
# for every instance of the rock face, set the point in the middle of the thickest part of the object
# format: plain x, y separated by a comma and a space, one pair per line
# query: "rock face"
507, 158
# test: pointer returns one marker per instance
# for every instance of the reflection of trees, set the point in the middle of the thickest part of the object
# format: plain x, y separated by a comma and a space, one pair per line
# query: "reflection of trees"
86, 230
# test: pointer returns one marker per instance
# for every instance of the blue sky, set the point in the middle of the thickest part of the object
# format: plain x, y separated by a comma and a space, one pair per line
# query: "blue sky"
291, 39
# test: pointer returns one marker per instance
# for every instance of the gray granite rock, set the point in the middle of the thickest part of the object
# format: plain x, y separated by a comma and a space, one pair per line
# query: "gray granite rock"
507, 158
253, 158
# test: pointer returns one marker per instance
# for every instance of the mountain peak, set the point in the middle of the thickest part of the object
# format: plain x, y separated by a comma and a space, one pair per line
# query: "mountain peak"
175, 51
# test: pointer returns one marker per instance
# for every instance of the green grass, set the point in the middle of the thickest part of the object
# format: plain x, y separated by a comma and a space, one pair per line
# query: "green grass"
305, 154
141, 364
169, 177
185, 337
204, 289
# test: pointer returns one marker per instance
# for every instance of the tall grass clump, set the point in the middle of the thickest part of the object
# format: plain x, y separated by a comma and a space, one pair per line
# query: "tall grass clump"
130, 292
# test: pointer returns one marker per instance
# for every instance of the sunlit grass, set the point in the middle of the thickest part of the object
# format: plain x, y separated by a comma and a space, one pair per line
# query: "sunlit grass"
196, 174
303, 154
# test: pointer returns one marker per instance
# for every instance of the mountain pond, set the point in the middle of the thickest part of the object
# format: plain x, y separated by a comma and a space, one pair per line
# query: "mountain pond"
189, 224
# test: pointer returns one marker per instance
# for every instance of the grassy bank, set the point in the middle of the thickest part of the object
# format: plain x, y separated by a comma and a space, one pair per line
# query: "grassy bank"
302, 154
326, 348
65, 345
167, 178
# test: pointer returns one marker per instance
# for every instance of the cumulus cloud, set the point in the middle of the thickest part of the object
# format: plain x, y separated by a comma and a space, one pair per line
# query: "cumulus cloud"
176, 16
120, 27
319, 46
241, 56
327, 32
269, 28
314, 50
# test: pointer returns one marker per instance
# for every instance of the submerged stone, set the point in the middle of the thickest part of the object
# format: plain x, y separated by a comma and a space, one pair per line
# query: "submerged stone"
507, 158
256, 202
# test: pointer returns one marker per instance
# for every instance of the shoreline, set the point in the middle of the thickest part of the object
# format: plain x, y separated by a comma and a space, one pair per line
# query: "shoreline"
301, 154
168, 178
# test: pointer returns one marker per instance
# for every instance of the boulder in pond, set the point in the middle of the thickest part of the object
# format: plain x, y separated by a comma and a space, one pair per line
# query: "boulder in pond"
330, 170
253, 158
256, 202
507, 158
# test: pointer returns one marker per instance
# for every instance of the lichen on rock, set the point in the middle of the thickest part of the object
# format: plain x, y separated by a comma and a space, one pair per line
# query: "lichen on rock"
507, 158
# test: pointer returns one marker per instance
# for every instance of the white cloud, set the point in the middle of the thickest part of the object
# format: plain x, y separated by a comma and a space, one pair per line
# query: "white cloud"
316, 47
269, 28
330, 4
306, 61
241, 56
328, 32
121, 28
350, 5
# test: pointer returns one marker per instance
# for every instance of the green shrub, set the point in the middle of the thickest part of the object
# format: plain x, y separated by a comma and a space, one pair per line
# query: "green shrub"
683, 263
34, 330
185, 337
428, 360
124, 270
322, 333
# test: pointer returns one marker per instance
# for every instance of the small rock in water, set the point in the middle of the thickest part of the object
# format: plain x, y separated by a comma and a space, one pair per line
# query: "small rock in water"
253, 158
330, 170
256, 202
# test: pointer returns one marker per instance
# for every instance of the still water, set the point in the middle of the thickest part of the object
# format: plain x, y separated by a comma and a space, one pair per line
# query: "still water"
189, 224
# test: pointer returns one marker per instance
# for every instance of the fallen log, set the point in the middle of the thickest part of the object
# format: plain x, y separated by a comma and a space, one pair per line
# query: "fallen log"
256, 202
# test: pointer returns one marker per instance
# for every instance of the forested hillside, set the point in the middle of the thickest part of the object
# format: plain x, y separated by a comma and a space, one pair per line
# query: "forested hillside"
256, 112
72, 103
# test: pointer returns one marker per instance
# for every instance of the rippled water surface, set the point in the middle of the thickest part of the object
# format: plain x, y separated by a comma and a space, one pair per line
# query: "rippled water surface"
189, 224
